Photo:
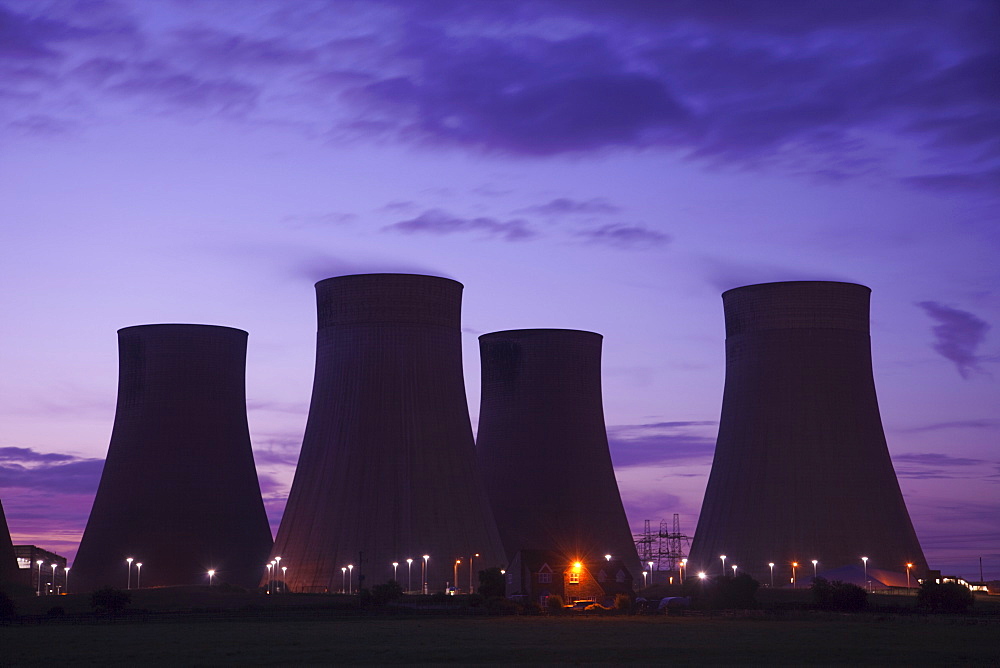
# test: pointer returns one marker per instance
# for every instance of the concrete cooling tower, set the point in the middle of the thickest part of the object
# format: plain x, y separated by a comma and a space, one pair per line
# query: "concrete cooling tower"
543, 447
387, 470
179, 491
801, 468
8, 563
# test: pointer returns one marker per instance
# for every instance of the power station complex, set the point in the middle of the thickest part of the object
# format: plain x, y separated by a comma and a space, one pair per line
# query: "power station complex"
390, 483
801, 468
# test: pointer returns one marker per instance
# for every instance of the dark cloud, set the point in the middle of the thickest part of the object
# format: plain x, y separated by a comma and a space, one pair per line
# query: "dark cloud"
563, 206
936, 466
724, 274
29, 456
625, 236
24, 468
210, 47
436, 221
41, 125
957, 424
660, 442
938, 460
160, 83
958, 335
981, 181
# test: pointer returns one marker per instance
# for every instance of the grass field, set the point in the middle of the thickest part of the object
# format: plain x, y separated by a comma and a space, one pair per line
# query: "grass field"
858, 640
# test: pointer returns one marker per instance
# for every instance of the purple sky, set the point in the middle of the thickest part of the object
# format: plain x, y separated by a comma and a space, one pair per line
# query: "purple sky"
608, 166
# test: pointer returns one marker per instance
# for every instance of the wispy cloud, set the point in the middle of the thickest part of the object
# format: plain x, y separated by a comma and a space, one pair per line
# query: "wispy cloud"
631, 237
958, 335
55, 473
565, 206
955, 424
642, 444
725, 274
436, 221
937, 466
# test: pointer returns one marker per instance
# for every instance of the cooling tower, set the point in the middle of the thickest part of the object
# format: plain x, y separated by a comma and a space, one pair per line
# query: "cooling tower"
8, 563
179, 491
801, 468
387, 469
543, 447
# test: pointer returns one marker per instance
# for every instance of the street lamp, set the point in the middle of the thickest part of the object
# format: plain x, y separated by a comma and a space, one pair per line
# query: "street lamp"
211, 574
684, 563
129, 580
865, 560
815, 561
770, 565
269, 567
734, 570
723, 557
138, 575
284, 579
795, 565
650, 569
608, 557
343, 579
272, 574
454, 576
409, 576
644, 578
54, 588
908, 567
471, 571
67, 579
424, 587
39, 562
350, 578
277, 563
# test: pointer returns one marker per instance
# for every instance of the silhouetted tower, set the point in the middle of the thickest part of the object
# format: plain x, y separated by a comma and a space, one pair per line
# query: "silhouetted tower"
801, 468
8, 562
543, 447
387, 469
179, 491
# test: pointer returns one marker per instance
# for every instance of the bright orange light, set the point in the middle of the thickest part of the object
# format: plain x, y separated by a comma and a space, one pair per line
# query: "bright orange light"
795, 563
577, 565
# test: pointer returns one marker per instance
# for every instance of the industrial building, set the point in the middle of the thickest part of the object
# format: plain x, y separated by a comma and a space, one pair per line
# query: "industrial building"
543, 446
387, 472
8, 563
179, 491
801, 470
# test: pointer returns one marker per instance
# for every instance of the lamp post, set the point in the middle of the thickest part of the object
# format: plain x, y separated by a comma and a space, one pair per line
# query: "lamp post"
211, 574
39, 562
54, 588
815, 561
343, 579
454, 575
409, 576
644, 578
650, 563
684, 563
277, 564
67, 579
908, 567
269, 567
608, 557
723, 557
284, 581
770, 565
424, 586
129, 580
272, 575
350, 578
865, 561
734, 570
471, 589
795, 565
138, 575
395, 565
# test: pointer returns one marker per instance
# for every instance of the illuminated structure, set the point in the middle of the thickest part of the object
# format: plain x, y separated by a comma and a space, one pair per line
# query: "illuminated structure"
8, 563
801, 468
179, 491
543, 447
387, 470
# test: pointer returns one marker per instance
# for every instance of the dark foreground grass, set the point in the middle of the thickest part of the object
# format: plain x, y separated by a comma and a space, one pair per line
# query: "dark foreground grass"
860, 640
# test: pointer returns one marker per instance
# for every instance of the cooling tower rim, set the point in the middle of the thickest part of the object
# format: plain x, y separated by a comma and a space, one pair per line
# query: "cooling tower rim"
523, 333
772, 284
345, 277
182, 326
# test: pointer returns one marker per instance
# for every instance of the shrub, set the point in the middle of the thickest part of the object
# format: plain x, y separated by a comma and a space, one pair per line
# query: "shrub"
110, 600
384, 593
502, 607
623, 603
492, 583
944, 597
733, 593
554, 604
837, 595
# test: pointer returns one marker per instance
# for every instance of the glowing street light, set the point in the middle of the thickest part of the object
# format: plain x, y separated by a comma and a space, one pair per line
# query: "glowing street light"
770, 565
270, 565
39, 562
277, 563
284, 579
815, 561
343, 579
865, 561
454, 576
608, 557
395, 565
129, 580
211, 574
138, 575
908, 567
644, 578
734, 570
54, 588
67, 579
684, 563
350, 578
471, 571
409, 575
650, 569
272, 574
795, 565
723, 557
424, 587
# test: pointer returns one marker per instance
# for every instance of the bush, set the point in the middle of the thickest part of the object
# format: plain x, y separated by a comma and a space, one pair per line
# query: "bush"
439, 597
492, 583
55, 611
7, 609
837, 595
728, 593
384, 593
944, 597
502, 607
475, 600
110, 600
554, 604
623, 603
